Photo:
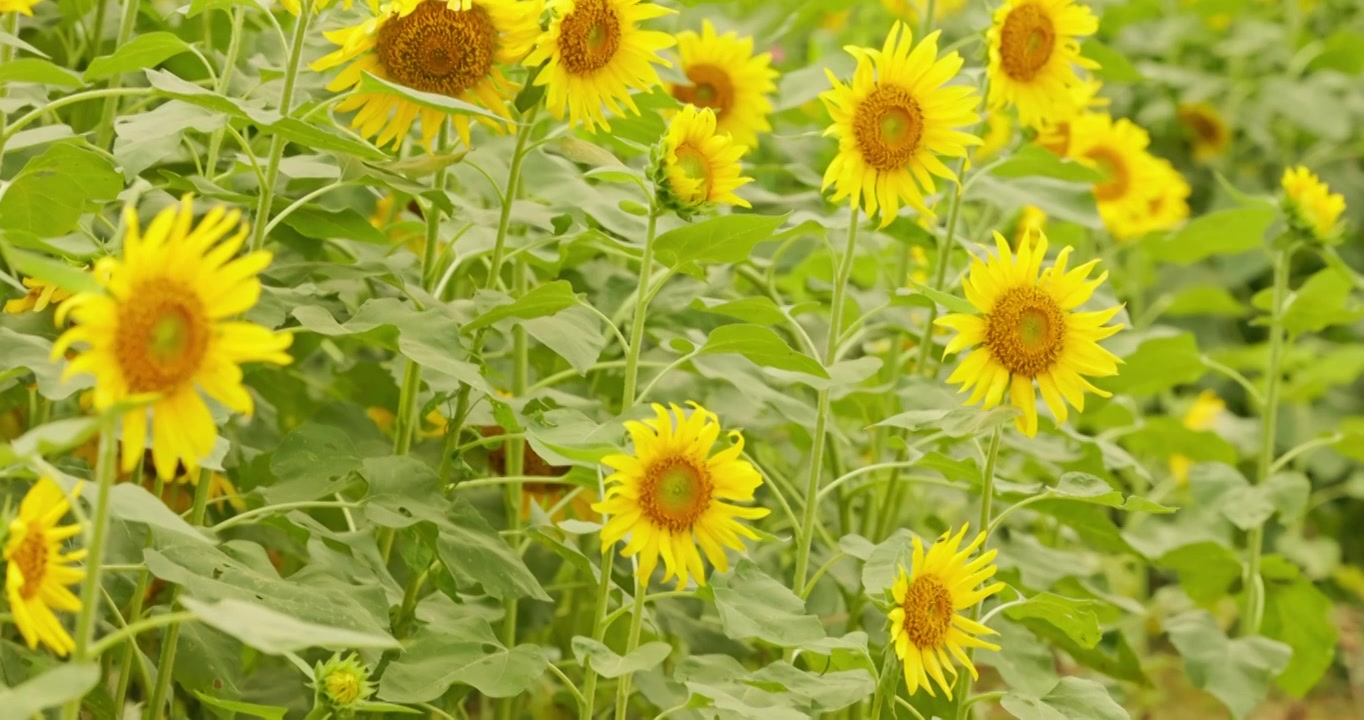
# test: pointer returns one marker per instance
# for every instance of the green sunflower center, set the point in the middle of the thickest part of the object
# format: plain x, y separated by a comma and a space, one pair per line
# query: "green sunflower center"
1025, 331
438, 50
589, 37
888, 126
693, 164
675, 493
928, 612
161, 337
1026, 42
29, 559
711, 88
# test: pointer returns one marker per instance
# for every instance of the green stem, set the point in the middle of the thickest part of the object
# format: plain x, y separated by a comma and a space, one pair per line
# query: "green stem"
105, 130
234, 45
516, 457
608, 562
131, 630
925, 363
166, 664
987, 498
251, 515
632, 354
632, 642
139, 597
277, 142
96, 35
1254, 584
509, 198
806, 531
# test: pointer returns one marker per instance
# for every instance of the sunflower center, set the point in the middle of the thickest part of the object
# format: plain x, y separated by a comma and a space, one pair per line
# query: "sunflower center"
1026, 42
1203, 127
888, 126
161, 337
928, 612
710, 88
692, 162
30, 559
343, 686
1116, 176
1025, 331
675, 494
438, 50
589, 37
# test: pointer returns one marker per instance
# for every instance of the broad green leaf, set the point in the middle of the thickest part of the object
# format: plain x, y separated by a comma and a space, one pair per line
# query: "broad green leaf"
1324, 300
131, 502
371, 84
585, 153
947, 300
313, 460
818, 693
758, 309
1235, 671
54, 687
1249, 506
268, 712
142, 52
724, 239
55, 188
1113, 66
346, 224
1086, 488
54, 272
1224, 232
540, 301
465, 653
574, 334
883, 563
1166, 436
610, 665
753, 605
34, 353
1300, 616
1211, 300
1036, 161
1076, 618
1073, 698
35, 70
1206, 570
1113, 656
1071, 202
763, 347
1027, 666
275, 633
1159, 361
57, 437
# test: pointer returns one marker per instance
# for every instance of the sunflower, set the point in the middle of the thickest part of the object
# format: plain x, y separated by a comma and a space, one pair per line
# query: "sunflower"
893, 121
593, 53
1054, 133
161, 332
443, 47
926, 623
728, 78
1168, 205
38, 573
1131, 175
698, 165
669, 495
1208, 131
23, 7
1034, 48
1310, 204
1029, 332
40, 295
1202, 415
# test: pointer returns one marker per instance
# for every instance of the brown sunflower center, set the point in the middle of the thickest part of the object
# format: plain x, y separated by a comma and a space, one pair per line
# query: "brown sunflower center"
161, 337
692, 162
888, 126
675, 493
30, 560
589, 36
1117, 177
1025, 331
1204, 128
710, 88
928, 612
438, 50
1026, 42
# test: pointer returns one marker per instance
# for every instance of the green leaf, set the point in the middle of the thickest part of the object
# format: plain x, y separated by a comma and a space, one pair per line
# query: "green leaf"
269, 712
1113, 66
758, 309
1299, 615
52, 688
1324, 300
465, 653
1075, 618
1206, 570
1159, 361
883, 563
947, 300
1036, 161
763, 347
1211, 300
310, 462
542, 300
574, 334
1250, 506
1073, 698
54, 189
610, 665
346, 224
131, 502
1083, 487
724, 239
432, 101
274, 632
35, 353
1113, 656
142, 52
35, 70
1224, 232
818, 693
1061, 200
753, 605
1235, 671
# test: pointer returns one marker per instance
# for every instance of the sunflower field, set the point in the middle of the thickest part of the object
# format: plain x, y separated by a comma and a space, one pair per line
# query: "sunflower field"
682, 360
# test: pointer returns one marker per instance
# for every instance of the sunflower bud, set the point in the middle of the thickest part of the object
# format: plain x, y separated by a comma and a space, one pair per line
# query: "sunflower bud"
694, 167
1312, 209
342, 682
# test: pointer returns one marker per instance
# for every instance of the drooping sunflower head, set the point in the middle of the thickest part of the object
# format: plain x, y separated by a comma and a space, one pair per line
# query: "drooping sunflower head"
1028, 333
451, 48
728, 78
594, 53
893, 122
698, 165
672, 494
37, 572
161, 331
1208, 132
40, 295
1131, 177
926, 624
1034, 50
1310, 204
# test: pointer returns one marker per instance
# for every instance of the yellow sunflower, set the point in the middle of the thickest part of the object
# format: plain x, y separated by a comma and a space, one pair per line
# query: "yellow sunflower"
40, 296
1202, 415
443, 47
161, 332
669, 495
1030, 333
894, 120
38, 573
23, 7
699, 165
1168, 205
1310, 204
1131, 175
728, 78
1208, 132
1034, 48
594, 53
1054, 133
926, 623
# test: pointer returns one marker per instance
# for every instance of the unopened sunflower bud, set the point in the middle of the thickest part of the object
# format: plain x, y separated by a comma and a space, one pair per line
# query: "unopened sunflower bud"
343, 681
694, 166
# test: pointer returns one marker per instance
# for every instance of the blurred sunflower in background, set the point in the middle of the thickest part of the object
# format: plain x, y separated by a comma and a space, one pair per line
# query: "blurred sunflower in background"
41, 295
726, 77
1208, 133
23, 7
1117, 149
1310, 204
37, 572
1034, 50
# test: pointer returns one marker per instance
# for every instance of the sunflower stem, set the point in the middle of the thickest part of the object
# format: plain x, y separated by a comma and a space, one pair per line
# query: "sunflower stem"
632, 642
806, 530
139, 597
925, 364
1255, 589
234, 45
516, 460
105, 130
608, 562
987, 498
277, 142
